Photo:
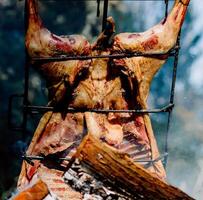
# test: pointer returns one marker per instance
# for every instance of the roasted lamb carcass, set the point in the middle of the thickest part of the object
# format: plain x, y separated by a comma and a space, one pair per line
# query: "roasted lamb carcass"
101, 83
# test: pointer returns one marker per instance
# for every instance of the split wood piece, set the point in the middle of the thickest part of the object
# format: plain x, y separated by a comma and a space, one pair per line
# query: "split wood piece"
37, 192
120, 168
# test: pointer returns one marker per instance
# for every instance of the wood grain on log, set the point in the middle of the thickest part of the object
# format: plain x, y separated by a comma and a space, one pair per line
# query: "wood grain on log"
119, 167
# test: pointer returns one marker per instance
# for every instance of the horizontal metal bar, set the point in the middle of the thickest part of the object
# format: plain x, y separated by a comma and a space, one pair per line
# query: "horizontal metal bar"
41, 109
33, 157
30, 158
161, 157
41, 157
113, 56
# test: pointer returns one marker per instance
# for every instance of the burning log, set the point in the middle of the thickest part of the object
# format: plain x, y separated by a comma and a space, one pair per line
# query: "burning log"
102, 173
120, 168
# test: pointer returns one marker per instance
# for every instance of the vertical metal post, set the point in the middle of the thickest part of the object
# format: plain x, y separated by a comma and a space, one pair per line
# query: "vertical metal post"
175, 68
105, 12
26, 77
172, 95
98, 8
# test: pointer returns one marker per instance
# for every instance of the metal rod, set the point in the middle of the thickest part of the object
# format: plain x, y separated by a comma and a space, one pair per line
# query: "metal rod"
166, 138
98, 8
175, 70
29, 158
26, 78
113, 56
105, 12
166, 10
174, 75
161, 157
39, 109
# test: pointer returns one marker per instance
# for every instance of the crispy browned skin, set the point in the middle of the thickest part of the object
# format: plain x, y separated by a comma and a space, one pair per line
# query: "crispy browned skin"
97, 83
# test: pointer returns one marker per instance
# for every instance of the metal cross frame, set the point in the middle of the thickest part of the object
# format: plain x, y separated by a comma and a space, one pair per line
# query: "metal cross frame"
27, 108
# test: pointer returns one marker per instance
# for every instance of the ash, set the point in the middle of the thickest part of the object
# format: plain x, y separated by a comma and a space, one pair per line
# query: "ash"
84, 179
